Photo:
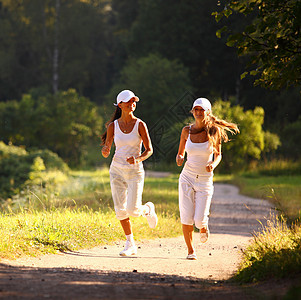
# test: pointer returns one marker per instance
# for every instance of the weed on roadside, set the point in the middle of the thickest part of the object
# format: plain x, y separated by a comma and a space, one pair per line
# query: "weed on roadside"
274, 253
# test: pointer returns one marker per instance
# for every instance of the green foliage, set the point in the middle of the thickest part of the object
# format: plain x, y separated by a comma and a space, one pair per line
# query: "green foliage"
169, 136
50, 159
157, 81
271, 40
292, 137
182, 30
6, 151
274, 253
20, 169
36, 49
249, 143
64, 123
45, 40
271, 142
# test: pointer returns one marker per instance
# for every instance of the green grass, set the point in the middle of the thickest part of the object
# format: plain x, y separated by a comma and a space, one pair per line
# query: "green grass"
78, 213
284, 191
273, 253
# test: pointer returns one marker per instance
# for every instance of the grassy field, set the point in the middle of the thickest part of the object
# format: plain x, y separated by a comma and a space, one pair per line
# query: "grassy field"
284, 191
79, 213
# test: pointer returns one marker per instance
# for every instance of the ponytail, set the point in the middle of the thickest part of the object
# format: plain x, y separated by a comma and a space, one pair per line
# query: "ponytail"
115, 116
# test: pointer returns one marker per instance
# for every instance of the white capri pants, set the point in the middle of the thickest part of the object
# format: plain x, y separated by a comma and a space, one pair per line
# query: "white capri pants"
127, 187
195, 194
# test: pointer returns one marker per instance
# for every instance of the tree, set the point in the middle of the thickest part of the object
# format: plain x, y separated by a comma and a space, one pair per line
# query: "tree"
54, 44
249, 143
158, 82
65, 123
183, 31
271, 40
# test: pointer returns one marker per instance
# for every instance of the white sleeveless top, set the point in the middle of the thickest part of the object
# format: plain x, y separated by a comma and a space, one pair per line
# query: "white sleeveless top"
127, 145
198, 156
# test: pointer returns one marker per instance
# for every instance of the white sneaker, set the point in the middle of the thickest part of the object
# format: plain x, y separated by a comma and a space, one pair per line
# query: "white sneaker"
204, 236
129, 249
151, 217
191, 256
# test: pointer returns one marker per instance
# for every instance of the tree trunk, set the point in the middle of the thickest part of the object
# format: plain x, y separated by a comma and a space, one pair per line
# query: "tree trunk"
55, 58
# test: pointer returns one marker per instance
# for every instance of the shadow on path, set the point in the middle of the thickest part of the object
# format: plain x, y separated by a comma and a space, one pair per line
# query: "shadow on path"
67, 283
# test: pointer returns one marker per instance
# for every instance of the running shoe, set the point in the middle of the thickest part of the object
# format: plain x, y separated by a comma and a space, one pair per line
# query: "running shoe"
191, 256
151, 217
204, 236
129, 249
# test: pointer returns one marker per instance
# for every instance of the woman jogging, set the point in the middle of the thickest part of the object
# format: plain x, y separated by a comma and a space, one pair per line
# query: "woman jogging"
202, 142
126, 170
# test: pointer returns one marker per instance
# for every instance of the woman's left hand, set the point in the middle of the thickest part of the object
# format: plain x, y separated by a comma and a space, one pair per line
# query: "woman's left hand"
131, 160
209, 167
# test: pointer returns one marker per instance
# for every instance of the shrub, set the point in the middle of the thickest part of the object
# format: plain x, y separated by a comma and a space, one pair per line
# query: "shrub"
274, 253
19, 168
51, 160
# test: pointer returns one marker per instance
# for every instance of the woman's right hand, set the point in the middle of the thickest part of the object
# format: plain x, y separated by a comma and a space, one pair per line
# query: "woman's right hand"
179, 160
105, 151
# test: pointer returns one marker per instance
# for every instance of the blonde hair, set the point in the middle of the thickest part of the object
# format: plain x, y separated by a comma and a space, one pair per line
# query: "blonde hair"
217, 130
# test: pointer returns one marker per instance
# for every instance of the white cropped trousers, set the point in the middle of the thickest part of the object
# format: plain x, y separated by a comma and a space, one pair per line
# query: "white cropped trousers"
127, 188
195, 194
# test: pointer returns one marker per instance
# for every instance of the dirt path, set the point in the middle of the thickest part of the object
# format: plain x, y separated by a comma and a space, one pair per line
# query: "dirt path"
159, 270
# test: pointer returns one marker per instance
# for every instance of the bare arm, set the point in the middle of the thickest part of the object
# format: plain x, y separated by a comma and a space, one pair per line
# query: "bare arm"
109, 140
181, 151
142, 129
217, 159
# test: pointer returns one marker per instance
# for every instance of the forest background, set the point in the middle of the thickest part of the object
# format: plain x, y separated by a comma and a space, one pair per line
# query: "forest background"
62, 63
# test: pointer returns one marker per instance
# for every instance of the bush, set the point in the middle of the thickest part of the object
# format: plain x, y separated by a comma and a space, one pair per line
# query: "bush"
19, 168
6, 151
51, 160
274, 253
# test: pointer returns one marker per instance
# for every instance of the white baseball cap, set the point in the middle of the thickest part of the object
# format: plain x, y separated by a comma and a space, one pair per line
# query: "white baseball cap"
125, 96
203, 103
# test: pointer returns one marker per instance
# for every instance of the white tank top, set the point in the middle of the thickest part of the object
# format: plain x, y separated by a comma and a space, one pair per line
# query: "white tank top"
127, 144
198, 155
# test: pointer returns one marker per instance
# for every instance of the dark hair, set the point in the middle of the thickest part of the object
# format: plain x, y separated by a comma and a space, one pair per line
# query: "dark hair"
116, 115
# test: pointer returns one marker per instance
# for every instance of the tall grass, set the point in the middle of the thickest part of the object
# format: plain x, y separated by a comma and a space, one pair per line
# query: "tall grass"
274, 253
78, 213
